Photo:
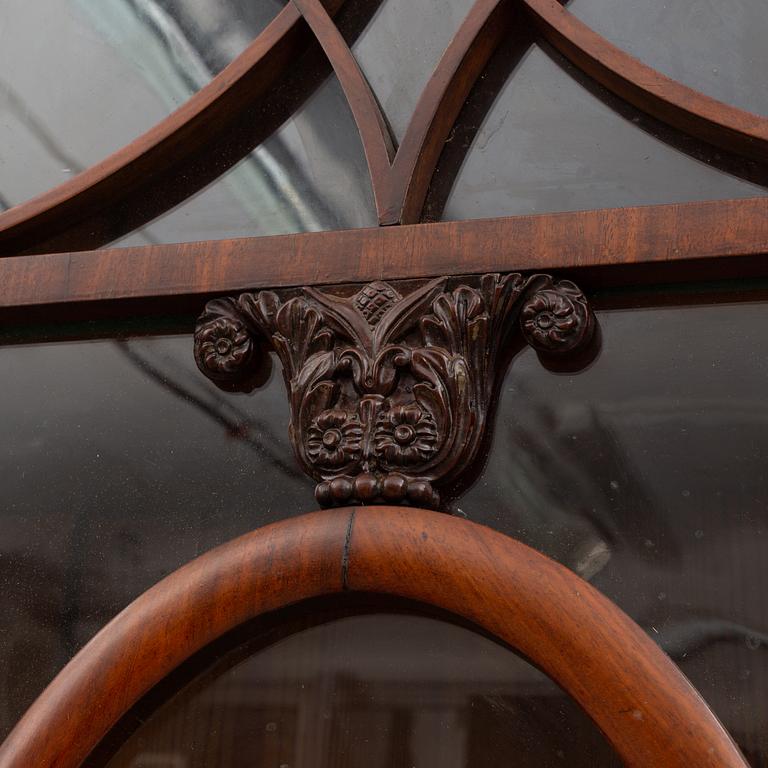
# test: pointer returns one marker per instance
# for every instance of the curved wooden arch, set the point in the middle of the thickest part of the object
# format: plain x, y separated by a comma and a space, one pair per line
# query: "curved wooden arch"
686, 109
400, 177
133, 170
97, 205
439, 105
376, 139
636, 695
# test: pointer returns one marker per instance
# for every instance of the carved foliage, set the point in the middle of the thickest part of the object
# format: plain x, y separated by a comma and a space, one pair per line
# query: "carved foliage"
557, 319
389, 394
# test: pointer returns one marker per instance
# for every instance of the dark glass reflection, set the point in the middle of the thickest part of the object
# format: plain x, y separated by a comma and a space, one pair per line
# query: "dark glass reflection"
400, 48
646, 474
374, 691
81, 79
120, 463
310, 175
715, 47
548, 143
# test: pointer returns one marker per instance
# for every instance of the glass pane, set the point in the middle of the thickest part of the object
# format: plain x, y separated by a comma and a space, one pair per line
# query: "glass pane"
548, 144
120, 463
713, 46
400, 48
374, 691
309, 175
81, 79
646, 474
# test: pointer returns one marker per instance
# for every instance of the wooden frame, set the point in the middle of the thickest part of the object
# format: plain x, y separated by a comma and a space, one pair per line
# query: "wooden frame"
109, 199
630, 688
634, 693
76, 213
606, 247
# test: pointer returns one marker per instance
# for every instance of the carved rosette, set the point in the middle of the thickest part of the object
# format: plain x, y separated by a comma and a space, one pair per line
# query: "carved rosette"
389, 394
557, 319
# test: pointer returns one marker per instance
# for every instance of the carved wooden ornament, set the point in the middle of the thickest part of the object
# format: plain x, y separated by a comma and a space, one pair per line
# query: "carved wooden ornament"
390, 394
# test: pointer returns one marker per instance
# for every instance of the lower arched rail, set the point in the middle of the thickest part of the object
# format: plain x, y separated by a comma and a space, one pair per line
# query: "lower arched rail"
640, 700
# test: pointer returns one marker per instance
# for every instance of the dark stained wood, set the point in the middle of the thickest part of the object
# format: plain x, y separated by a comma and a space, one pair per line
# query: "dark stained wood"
141, 180
400, 179
694, 240
396, 409
113, 197
692, 112
71, 213
636, 695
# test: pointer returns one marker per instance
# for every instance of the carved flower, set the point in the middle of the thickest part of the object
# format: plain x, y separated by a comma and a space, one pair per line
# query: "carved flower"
556, 319
334, 439
223, 346
405, 435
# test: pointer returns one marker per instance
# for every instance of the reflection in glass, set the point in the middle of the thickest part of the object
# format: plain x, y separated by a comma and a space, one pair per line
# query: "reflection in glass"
548, 144
715, 47
372, 691
311, 174
81, 79
120, 463
646, 474
400, 48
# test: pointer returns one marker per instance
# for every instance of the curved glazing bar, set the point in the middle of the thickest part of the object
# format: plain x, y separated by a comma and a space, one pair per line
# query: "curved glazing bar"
645, 474
677, 105
633, 692
400, 47
550, 143
82, 79
716, 47
119, 464
309, 175
384, 690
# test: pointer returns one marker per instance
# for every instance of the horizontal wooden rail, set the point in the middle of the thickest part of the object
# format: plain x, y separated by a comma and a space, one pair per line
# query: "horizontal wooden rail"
631, 689
686, 239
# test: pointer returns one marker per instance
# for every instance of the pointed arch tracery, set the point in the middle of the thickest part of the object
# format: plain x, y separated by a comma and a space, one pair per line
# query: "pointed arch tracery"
76, 214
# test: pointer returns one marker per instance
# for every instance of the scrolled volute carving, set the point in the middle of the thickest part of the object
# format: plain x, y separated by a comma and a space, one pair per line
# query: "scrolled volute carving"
390, 393
557, 318
224, 344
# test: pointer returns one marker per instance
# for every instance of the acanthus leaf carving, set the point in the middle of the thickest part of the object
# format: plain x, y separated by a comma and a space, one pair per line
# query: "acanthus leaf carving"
390, 393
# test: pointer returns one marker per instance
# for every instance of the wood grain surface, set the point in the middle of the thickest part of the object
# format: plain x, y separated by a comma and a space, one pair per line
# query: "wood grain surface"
636, 695
692, 241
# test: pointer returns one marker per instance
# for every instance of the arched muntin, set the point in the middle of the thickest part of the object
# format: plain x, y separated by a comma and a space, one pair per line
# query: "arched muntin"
111, 197
78, 213
641, 701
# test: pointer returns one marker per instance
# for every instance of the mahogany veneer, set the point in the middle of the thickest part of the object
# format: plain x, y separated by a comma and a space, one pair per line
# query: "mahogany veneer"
636, 695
